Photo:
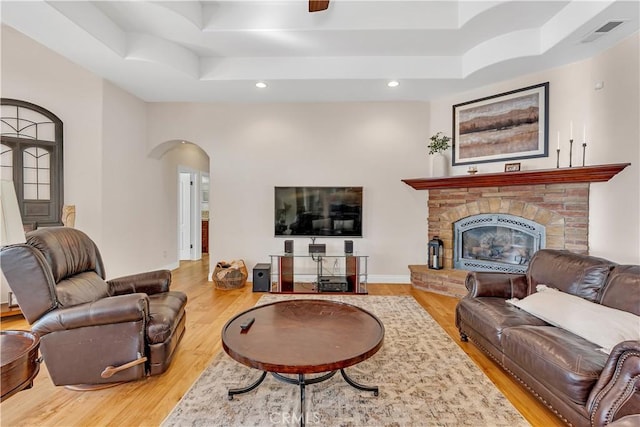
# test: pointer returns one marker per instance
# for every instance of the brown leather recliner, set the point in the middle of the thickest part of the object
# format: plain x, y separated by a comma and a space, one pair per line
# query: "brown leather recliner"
92, 331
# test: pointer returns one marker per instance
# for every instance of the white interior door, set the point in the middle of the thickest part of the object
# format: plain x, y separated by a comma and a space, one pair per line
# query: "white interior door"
184, 216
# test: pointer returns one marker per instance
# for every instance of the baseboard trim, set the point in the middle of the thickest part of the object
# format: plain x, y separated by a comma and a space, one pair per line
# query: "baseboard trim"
388, 278
171, 266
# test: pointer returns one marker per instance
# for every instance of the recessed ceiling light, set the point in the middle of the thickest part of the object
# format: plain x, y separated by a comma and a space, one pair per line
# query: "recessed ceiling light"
261, 85
393, 83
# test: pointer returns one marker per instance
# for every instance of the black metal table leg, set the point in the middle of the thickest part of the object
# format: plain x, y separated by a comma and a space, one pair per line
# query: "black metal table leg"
234, 391
296, 381
303, 382
359, 386
302, 402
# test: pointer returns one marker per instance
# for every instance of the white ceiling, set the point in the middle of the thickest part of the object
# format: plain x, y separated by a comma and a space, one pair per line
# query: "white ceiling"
207, 51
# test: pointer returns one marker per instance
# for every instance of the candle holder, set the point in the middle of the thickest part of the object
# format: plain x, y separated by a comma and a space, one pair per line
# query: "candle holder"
558, 158
584, 148
570, 151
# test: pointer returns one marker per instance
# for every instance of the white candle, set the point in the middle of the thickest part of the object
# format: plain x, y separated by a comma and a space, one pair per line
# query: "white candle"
571, 129
558, 140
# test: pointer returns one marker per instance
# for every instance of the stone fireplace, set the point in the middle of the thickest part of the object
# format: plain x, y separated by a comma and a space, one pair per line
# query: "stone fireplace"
562, 210
556, 200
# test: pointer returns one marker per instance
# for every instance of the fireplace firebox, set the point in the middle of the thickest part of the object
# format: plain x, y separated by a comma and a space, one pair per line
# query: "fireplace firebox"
496, 242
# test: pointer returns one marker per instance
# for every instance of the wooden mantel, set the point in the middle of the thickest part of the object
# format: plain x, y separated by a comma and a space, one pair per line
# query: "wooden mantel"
599, 173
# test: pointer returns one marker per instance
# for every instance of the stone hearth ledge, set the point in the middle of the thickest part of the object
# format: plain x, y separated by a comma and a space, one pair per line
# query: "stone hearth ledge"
447, 281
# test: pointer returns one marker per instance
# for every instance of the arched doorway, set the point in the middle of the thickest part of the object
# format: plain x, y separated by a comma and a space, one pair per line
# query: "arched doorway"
189, 164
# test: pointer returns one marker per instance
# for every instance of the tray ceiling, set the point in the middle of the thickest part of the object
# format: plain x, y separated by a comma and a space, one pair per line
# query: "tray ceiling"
210, 51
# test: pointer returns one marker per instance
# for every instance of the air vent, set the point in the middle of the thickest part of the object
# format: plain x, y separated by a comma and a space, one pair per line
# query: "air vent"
601, 31
608, 26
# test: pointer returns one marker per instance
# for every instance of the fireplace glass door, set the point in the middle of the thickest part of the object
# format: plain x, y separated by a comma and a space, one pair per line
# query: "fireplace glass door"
496, 242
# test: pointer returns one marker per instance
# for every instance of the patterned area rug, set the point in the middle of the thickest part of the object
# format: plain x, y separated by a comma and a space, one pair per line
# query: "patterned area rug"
425, 379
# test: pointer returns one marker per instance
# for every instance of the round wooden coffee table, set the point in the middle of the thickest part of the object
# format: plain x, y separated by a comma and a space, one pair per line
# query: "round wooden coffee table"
303, 336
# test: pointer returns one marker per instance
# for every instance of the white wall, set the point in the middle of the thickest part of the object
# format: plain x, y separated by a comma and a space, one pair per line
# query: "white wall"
612, 118
33, 73
256, 147
614, 229
118, 190
136, 198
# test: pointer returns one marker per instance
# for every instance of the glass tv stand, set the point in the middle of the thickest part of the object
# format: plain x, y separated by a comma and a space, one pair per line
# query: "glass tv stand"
319, 273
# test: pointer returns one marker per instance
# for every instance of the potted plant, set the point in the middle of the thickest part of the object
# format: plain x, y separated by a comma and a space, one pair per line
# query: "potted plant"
438, 143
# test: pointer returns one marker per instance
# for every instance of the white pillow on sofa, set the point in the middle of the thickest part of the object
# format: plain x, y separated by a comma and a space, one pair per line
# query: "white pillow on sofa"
596, 323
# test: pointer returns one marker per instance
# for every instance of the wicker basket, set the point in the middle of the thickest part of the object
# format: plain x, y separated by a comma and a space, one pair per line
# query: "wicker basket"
231, 275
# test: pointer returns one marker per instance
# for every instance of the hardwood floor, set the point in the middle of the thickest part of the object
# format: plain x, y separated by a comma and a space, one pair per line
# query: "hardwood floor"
147, 402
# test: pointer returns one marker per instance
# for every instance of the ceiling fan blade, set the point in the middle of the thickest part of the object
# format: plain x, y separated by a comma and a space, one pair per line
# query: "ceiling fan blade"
318, 5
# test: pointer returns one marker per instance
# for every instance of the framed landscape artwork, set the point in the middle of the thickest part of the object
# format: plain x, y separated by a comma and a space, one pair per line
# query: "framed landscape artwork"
508, 126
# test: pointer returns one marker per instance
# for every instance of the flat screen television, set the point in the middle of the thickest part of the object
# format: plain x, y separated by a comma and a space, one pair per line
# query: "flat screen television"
318, 211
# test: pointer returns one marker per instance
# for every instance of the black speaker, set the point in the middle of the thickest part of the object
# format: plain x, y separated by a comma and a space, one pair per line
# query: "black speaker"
288, 246
348, 247
262, 278
317, 248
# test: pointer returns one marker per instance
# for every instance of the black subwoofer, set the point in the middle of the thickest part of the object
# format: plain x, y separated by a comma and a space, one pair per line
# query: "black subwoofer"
262, 278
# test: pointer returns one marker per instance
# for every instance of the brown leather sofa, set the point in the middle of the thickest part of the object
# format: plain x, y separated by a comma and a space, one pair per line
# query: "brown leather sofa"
572, 376
92, 331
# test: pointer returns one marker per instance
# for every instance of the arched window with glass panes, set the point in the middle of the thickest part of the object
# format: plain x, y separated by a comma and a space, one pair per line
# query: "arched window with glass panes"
31, 157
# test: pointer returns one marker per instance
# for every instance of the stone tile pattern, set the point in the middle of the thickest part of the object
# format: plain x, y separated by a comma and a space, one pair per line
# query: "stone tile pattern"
562, 208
